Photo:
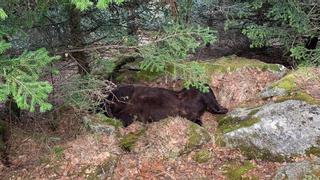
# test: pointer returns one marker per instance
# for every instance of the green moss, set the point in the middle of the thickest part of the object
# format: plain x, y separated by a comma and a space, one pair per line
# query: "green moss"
314, 151
233, 63
299, 95
255, 153
221, 65
196, 136
58, 152
110, 121
229, 124
127, 142
148, 76
253, 112
235, 171
202, 156
288, 83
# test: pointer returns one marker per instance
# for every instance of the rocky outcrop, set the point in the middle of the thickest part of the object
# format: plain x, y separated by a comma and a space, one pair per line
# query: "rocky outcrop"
301, 84
300, 170
237, 81
171, 137
275, 130
100, 123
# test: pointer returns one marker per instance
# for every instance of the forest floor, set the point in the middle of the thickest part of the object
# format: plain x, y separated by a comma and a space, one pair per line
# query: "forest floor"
39, 152
57, 145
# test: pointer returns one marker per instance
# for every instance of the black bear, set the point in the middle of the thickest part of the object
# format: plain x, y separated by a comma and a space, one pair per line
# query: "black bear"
148, 104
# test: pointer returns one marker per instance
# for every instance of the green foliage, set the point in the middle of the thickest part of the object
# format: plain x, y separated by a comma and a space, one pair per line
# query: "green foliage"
101, 4
306, 57
260, 35
4, 46
235, 171
128, 141
21, 78
86, 92
82, 4
172, 47
278, 23
3, 14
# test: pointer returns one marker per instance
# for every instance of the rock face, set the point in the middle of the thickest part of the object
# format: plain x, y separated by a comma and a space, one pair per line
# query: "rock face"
300, 170
235, 80
101, 124
241, 82
283, 130
171, 137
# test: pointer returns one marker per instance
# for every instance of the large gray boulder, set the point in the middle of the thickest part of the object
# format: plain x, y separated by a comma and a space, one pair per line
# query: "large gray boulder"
299, 170
280, 130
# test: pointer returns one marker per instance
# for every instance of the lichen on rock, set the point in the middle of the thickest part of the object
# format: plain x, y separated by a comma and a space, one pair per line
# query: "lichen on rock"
100, 123
292, 86
285, 130
234, 63
308, 169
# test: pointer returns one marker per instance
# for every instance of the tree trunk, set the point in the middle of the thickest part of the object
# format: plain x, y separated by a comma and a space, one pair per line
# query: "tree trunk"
12, 108
312, 42
132, 18
78, 41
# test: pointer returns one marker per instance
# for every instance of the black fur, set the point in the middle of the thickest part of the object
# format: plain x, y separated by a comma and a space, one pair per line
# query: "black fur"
149, 104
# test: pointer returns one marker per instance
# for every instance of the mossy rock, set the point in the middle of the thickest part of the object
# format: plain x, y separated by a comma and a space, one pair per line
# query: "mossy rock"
299, 95
290, 85
313, 151
127, 142
221, 65
229, 124
307, 169
235, 171
234, 63
197, 136
202, 156
255, 153
100, 123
